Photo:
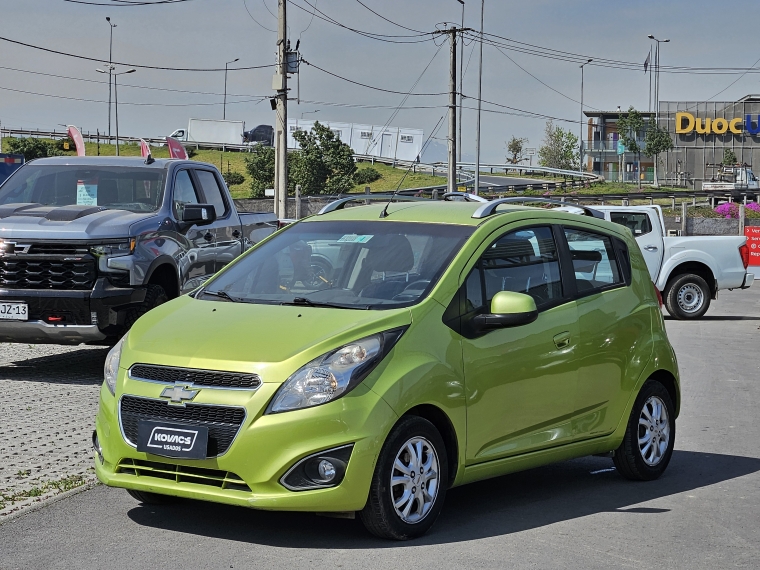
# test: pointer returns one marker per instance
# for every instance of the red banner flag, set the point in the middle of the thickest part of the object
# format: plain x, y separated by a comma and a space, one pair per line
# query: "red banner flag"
76, 136
144, 149
176, 150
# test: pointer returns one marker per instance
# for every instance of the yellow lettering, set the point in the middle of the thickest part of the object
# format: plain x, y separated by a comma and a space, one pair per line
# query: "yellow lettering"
703, 130
680, 128
733, 126
719, 130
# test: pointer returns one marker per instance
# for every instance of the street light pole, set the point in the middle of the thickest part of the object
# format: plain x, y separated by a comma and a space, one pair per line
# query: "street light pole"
656, 95
224, 112
110, 69
116, 98
580, 139
308, 113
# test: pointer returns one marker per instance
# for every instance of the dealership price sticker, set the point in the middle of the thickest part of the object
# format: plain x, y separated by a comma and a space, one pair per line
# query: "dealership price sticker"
753, 242
87, 192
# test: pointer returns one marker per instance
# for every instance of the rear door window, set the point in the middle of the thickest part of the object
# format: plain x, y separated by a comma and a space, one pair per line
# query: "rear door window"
594, 261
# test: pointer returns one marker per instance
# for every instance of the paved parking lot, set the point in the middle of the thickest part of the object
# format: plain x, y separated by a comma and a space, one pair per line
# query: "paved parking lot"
703, 513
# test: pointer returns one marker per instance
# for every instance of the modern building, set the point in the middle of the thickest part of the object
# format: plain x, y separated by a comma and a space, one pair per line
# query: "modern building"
389, 142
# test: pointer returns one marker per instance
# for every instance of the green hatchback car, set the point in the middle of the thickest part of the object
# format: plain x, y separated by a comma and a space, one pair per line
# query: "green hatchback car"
366, 360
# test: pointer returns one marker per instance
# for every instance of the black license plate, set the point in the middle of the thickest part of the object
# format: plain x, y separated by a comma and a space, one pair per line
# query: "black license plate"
172, 440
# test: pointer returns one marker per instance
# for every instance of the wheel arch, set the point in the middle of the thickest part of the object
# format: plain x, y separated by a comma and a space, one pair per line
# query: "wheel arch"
445, 427
165, 275
668, 380
697, 268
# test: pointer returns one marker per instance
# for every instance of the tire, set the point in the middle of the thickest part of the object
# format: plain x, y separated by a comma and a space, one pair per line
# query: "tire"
380, 516
148, 498
687, 297
639, 461
154, 296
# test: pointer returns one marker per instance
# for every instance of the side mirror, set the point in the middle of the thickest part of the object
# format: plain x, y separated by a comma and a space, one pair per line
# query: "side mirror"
508, 309
198, 214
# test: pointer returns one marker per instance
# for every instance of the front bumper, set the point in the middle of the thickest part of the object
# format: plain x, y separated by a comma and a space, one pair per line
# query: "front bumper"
265, 448
85, 316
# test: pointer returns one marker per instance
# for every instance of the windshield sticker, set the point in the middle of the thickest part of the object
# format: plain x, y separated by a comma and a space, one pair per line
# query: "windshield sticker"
353, 238
87, 192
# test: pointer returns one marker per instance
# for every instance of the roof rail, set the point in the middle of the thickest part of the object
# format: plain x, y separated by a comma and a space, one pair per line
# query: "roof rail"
490, 208
341, 203
467, 197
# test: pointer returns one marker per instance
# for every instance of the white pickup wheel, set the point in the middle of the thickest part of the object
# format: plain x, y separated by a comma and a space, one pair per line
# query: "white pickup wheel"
687, 297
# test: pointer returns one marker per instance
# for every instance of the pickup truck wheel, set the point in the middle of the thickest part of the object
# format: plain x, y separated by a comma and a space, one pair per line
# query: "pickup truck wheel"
687, 297
154, 297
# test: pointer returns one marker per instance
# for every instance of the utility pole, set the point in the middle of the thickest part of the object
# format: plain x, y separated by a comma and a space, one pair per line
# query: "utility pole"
280, 84
480, 103
580, 139
461, 88
452, 177
110, 71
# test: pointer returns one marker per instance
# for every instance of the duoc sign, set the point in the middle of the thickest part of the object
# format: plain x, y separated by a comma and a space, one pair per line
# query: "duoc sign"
687, 123
753, 242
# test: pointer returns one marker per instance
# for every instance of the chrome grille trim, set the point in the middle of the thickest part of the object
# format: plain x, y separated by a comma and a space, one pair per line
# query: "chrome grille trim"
193, 377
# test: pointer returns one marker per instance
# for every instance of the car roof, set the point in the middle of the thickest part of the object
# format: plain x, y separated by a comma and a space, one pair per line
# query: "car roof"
124, 161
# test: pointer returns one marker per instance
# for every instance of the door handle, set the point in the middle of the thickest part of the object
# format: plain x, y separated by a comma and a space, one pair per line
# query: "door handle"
562, 340
651, 248
236, 234
208, 236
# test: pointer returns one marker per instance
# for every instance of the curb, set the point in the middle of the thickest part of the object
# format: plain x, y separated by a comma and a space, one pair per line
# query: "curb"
46, 502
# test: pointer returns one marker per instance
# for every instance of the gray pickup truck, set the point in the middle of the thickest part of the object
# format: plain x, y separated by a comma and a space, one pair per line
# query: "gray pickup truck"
89, 244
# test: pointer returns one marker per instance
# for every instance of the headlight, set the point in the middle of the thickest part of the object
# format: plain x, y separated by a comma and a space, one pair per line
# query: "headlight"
111, 367
334, 374
114, 249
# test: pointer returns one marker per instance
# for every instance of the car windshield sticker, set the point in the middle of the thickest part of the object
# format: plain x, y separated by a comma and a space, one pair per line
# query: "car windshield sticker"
353, 238
87, 192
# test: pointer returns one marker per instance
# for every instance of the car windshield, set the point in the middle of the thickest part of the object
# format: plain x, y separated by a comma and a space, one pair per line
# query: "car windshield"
346, 264
114, 187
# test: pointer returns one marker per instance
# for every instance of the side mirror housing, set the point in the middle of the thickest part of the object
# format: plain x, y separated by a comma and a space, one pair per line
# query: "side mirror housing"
508, 309
198, 214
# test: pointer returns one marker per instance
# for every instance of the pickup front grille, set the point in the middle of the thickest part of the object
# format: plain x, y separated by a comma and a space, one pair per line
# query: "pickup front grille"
223, 422
194, 376
47, 273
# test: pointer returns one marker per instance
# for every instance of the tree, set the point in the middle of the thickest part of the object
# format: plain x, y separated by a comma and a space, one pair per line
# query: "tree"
324, 164
515, 150
31, 148
559, 149
729, 157
630, 126
260, 166
657, 141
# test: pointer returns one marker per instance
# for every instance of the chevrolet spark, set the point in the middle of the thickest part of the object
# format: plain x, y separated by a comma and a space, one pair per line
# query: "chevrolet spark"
367, 360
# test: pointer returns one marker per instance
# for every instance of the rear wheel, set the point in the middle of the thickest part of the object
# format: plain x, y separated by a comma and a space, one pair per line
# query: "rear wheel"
649, 438
410, 481
687, 297
148, 498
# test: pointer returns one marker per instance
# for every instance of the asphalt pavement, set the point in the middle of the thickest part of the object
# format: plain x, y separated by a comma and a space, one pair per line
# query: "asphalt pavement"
703, 513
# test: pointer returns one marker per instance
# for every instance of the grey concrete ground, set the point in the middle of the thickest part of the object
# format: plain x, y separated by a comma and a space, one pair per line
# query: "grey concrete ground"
704, 513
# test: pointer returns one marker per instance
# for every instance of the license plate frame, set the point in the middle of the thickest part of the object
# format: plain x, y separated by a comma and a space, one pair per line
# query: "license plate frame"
14, 311
170, 439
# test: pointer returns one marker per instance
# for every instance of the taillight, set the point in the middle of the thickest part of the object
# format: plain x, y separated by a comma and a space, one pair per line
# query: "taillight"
744, 252
657, 292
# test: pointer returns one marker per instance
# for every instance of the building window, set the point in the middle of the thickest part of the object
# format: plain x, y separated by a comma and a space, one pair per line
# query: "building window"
407, 139
365, 134
337, 133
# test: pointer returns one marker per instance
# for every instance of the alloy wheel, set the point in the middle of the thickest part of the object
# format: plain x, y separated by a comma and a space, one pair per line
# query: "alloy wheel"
654, 431
414, 480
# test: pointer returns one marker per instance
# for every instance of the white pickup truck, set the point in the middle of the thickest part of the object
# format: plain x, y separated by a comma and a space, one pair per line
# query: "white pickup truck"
689, 270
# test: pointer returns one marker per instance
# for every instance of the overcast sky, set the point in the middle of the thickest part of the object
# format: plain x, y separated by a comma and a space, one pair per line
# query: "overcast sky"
206, 33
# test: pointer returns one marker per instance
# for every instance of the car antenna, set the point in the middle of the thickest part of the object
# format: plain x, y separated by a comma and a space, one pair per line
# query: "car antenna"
149, 159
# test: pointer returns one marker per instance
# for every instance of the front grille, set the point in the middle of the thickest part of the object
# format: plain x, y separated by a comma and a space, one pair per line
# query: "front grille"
223, 422
196, 377
58, 249
28, 273
182, 474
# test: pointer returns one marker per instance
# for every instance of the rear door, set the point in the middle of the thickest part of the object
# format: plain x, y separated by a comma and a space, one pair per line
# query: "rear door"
226, 228
645, 227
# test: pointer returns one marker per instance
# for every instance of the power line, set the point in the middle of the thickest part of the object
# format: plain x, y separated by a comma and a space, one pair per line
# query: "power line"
48, 50
255, 20
370, 86
125, 3
386, 19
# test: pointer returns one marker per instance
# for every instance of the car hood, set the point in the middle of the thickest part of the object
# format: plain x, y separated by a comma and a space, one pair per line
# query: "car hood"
272, 341
29, 221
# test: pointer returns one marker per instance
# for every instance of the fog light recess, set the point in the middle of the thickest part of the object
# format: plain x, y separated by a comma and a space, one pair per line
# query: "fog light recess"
96, 446
318, 471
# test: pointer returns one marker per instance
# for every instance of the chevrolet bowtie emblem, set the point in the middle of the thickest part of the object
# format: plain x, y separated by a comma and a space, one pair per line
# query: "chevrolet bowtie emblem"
177, 394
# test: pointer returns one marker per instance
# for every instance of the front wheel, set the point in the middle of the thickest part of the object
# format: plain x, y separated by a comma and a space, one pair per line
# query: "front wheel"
687, 297
148, 498
410, 481
650, 435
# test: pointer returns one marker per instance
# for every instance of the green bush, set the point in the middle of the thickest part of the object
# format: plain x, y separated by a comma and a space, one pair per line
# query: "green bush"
61, 144
233, 178
31, 148
367, 175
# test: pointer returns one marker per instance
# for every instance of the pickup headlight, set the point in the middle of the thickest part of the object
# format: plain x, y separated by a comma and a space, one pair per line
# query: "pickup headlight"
111, 366
333, 374
126, 247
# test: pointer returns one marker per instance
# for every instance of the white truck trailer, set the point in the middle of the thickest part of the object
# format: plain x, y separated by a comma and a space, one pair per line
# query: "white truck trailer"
212, 132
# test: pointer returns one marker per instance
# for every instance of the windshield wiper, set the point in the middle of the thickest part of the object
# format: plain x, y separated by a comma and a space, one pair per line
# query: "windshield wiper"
222, 295
304, 302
